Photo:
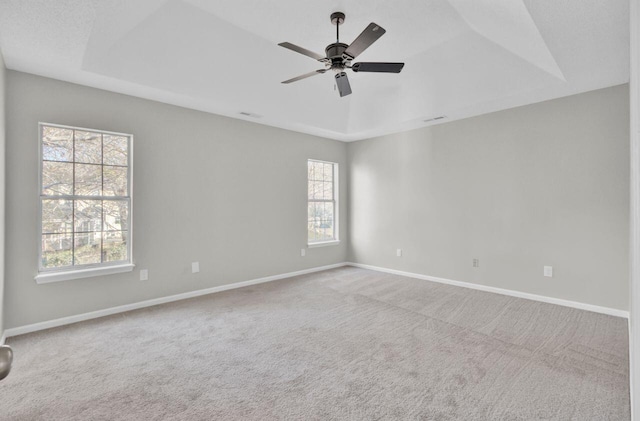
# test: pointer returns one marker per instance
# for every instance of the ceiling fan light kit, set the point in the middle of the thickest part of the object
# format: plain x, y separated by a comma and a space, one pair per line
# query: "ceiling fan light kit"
339, 56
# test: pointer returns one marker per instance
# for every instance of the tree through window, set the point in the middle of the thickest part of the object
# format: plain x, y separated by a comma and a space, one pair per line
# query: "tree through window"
322, 201
85, 198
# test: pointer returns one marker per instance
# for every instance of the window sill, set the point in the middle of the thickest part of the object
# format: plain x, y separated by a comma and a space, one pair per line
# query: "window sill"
46, 277
323, 244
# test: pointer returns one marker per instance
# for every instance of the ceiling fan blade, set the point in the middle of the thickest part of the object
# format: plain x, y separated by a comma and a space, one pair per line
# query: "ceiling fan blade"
306, 75
301, 50
377, 67
342, 81
370, 35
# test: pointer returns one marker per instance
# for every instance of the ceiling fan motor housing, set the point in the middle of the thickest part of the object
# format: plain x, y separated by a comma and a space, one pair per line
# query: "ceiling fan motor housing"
335, 53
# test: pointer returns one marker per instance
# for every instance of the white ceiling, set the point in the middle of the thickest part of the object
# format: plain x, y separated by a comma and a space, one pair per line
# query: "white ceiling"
463, 57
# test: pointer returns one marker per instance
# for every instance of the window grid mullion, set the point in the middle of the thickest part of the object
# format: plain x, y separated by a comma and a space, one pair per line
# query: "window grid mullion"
333, 177
102, 201
72, 197
86, 163
73, 204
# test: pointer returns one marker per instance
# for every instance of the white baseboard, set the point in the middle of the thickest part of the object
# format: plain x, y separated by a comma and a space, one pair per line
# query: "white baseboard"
512, 293
21, 330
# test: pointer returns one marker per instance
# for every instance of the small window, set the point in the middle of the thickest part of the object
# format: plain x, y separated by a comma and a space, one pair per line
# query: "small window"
85, 199
322, 216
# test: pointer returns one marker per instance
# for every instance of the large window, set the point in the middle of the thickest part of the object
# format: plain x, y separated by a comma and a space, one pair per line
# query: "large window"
322, 220
85, 199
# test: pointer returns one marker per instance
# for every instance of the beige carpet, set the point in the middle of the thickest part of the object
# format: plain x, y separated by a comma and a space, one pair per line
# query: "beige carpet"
343, 344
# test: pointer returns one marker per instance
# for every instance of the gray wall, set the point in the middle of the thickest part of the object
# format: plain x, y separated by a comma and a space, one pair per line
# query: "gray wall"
544, 184
224, 192
3, 83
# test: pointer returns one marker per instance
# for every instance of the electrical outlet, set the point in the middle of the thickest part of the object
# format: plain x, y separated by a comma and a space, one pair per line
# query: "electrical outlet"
144, 274
303, 252
476, 263
548, 271
399, 252
195, 267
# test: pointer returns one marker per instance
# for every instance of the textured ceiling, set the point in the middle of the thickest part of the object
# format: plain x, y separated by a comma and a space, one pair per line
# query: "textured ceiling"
463, 57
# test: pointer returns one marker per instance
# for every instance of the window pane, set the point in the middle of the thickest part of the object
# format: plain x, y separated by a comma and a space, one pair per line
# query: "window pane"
115, 181
327, 193
311, 233
312, 216
88, 147
316, 189
323, 221
314, 211
116, 214
88, 248
57, 216
88, 180
114, 247
310, 170
320, 235
56, 250
88, 215
320, 225
328, 234
57, 144
319, 171
115, 150
328, 172
327, 221
316, 171
57, 178
324, 214
312, 186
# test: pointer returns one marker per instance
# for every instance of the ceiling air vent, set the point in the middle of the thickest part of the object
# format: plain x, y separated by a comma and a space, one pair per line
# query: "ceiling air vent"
429, 120
246, 114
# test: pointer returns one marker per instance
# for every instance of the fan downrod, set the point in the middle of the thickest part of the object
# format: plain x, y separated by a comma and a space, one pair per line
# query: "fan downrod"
336, 50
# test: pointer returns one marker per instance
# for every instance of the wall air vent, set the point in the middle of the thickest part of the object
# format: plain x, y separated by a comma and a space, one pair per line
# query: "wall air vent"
429, 120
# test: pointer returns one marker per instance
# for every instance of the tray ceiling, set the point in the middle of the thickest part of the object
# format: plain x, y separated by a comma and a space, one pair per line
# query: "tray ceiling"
463, 58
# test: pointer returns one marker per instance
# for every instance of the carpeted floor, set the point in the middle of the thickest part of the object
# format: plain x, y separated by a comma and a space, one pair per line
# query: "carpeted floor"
345, 344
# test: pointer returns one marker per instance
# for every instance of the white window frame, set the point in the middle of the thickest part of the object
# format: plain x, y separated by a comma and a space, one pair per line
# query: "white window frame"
46, 275
336, 206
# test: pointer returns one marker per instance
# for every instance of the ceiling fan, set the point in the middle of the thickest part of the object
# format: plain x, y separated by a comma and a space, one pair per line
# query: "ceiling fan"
339, 56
